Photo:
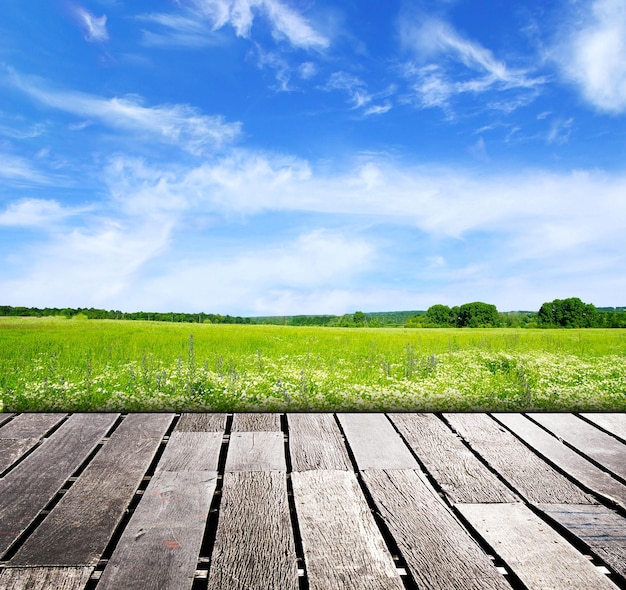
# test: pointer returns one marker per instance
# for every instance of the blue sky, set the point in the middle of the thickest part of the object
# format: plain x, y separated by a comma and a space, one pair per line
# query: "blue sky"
265, 157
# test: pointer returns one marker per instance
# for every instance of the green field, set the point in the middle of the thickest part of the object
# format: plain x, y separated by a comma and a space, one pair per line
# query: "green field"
74, 365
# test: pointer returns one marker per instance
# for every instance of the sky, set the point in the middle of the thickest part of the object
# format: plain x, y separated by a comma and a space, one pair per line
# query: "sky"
282, 157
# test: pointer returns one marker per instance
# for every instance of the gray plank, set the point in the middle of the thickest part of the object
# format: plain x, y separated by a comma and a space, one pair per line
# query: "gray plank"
343, 548
256, 422
44, 578
603, 530
615, 423
256, 451
565, 458
79, 527
374, 442
26, 489
438, 550
462, 477
538, 555
254, 546
205, 422
315, 442
22, 434
159, 547
5, 417
531, 477
191, 451
594, 443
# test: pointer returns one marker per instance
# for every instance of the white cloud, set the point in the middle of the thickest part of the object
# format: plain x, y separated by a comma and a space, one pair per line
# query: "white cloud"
19, 170
592, 53
176, 30
177, 124
436, 45
93, 27
285, 22
36, 213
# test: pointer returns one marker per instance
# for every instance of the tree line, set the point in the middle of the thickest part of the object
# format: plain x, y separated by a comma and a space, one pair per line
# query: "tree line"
559, 313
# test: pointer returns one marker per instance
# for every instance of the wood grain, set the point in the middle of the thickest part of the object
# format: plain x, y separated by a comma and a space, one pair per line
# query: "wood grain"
160, 545
44, 578
315, 442
565, 458
256, 422
254, 545
539, 556
531, 477
603, 530
438, 550
191, 451
256, 451
374, 442
190, 422
462, 477
594, 443
26, 489
79, 527
343, 548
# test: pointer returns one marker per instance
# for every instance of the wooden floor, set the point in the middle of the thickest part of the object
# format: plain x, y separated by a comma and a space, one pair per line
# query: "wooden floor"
319, 501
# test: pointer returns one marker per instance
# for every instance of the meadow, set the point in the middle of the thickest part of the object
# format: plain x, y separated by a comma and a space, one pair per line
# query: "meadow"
54, 364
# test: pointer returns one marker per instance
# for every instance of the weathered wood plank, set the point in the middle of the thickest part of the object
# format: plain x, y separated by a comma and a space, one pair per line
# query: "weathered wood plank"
26, 489
254, 546
191, 451
531, 477
594, 443
315, 442
44, 578
79, 527
438, 550
462, 477
5, 417
22, 434
256, 451
538, 555
191, 422
615, 423
603, 530
343, 548
565, 458
256, 422
374, 442
159, 547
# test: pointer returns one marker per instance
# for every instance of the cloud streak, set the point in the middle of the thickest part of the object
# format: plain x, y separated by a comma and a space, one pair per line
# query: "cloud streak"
93, 27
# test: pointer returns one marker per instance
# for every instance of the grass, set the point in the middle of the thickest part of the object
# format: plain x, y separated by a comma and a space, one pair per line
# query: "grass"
73, 365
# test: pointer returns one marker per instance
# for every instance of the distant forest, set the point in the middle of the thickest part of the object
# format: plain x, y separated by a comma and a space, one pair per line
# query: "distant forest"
565, 313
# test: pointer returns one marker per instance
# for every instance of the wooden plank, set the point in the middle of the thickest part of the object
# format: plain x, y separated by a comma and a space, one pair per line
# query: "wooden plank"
565, 458
22, 434
26, 489
79, 527
531, 477
256, 422
5, 417
256, 451
205, 422
191, 451
462, 477
254, 546
315, 442
44, 578
374, 442
438, 550
594, 443
159, 547
343, 548
615, 423
538, 555
603, 530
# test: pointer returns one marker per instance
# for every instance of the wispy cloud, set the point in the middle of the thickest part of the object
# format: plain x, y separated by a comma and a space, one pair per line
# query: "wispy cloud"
285, 22
185, 30
358, 93
93, 27
41, 213
18, 169
439, 50
178, 124
592, 53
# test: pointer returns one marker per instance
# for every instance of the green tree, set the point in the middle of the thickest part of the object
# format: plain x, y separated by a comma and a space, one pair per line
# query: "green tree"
358, 317
478, 315
568, 313
440, 315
